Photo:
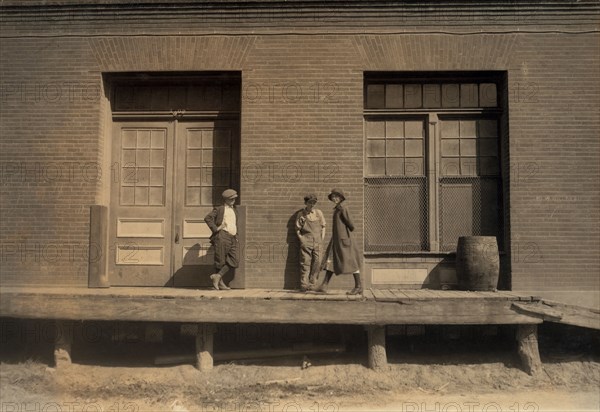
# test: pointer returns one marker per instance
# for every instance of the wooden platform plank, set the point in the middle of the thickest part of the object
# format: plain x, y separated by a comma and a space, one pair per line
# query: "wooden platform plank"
69, 306
489, 295
275, 294
428, 293
574, 315
507, 294
468, 294
368, 294
233, 294
400, 296
379, 295
537, 309
337, 295
451, 294
389, 296
353, 297
306, 295
415, 295
450, 312
316, 296
205, 294
521, 296
253, 294
446, 294
295, 295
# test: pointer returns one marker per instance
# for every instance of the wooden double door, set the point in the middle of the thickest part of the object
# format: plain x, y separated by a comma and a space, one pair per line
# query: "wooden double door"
167, 175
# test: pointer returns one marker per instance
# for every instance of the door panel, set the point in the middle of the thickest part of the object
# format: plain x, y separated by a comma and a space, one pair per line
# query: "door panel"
141, 199
207, 159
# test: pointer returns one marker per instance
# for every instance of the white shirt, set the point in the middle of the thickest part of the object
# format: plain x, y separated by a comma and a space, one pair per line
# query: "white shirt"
229, 221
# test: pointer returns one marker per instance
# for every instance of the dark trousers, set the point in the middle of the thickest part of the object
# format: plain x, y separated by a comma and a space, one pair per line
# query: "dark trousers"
226, 250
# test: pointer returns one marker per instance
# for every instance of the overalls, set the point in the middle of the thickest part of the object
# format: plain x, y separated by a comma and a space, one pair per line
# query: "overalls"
310, 252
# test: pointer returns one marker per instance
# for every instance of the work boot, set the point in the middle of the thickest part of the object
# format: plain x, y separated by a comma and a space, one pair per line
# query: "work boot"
312, 283
304, 285
222, 285
325, 284
216, 278
358, 288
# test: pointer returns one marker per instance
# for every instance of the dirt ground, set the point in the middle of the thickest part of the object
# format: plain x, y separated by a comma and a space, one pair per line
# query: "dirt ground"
565, 385
425, 373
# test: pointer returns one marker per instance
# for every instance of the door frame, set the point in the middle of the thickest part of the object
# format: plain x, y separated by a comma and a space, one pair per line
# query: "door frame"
174, 123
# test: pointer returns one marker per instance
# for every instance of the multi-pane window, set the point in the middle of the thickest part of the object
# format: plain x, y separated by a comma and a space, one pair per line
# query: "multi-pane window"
469, 147
432, 161
395, 184
142, 166
429, 95
208, 165
395, 147
469, 179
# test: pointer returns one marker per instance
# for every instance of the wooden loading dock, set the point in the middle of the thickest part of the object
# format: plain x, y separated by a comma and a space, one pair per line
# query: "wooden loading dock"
374, 310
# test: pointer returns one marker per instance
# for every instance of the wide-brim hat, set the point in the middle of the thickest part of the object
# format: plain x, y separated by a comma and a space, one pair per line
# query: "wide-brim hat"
229, 194
338, 192
311, 197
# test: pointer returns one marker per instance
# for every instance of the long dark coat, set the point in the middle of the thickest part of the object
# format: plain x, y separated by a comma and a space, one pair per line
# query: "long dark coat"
342, 248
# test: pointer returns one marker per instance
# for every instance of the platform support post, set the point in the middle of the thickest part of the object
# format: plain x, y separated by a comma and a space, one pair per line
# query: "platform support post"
204, 346
376, 342
527, 339
63, 339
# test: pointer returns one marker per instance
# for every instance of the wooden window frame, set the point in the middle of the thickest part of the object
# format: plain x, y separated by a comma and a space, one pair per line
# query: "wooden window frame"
432, 143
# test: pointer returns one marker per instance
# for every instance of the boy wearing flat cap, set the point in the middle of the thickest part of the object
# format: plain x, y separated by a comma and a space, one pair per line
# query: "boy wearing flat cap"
222, 221
310, 229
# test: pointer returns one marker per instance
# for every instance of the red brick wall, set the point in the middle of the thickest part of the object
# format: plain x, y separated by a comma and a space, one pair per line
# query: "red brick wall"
302, 130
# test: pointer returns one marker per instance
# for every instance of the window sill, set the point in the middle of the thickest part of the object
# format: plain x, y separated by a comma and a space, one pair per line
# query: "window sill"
415, 254
405, 254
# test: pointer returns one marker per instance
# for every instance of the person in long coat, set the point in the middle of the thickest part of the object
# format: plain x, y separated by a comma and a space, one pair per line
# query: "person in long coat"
342, 256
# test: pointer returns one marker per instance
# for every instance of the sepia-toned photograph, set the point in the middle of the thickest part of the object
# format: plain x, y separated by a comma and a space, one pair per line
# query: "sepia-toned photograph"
299, 205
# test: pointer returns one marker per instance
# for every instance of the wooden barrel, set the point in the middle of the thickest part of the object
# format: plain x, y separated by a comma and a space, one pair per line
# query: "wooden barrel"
477, 263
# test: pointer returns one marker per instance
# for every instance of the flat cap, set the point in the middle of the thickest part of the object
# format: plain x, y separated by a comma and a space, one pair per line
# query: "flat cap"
229, 194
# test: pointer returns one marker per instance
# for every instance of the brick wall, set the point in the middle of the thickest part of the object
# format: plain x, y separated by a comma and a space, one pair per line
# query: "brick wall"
305, 134
302, 131
555, 154
50, 141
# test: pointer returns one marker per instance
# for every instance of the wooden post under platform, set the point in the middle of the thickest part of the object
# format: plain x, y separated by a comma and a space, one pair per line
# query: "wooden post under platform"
63, 339
204, 346
376, 342
527, 338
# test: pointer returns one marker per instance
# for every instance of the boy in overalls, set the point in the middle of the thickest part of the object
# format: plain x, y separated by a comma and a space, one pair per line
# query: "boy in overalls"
310, 229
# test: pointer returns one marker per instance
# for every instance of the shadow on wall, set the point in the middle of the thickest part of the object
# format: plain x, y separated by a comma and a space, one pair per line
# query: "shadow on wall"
198, 265
291, 278
443, 275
